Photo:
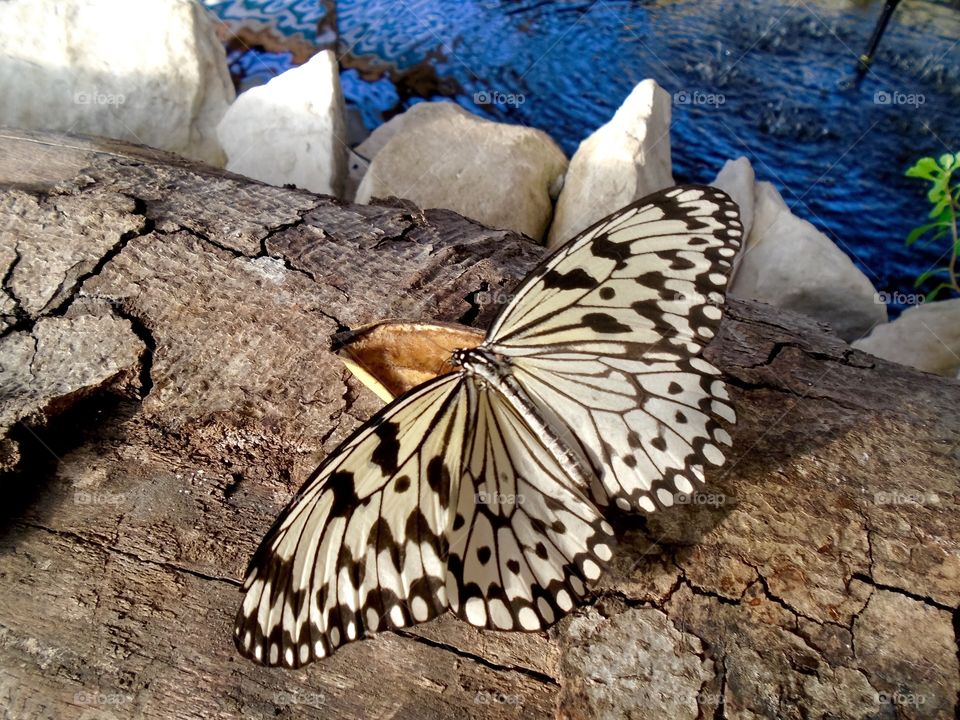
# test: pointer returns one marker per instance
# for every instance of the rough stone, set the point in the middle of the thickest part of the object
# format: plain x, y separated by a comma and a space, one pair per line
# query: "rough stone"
292, 129
151, 71
61, 359
624, 160
41, 273
440, 156
926, 337
635, 664
790, 264
737, 179
894, 632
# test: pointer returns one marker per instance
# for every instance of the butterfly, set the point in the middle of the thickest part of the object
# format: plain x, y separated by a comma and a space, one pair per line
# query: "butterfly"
484, 490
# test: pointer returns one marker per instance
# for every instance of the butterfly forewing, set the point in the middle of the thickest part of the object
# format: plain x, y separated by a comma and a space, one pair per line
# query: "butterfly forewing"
605, 336
363, 546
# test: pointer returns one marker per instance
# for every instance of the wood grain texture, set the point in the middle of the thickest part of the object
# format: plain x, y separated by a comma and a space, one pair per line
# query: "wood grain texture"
818, 575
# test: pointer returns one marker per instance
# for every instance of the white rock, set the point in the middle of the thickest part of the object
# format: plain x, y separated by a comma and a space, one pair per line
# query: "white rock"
150, 72
788, 263
736, 178
926, 337
440, 156
362, 155
768, 205
292, 129
378, 139
357, 167
624, 160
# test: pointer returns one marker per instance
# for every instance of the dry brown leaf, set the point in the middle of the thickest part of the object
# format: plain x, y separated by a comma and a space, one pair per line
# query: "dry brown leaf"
390, 357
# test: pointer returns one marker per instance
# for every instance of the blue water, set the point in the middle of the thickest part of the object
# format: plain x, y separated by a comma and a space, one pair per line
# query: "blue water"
771, 80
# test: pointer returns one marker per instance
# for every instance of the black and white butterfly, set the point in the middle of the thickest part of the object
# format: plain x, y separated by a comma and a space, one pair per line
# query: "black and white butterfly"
482, 491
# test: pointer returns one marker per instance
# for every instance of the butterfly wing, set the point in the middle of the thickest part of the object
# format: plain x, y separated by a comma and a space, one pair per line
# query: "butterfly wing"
606, 335
525, 541
371, 542
363, 546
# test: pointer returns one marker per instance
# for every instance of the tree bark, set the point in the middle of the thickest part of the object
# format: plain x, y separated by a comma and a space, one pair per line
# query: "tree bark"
166, 384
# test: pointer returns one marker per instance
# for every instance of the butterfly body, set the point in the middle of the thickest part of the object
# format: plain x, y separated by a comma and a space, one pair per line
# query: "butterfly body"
494, 371
482, 491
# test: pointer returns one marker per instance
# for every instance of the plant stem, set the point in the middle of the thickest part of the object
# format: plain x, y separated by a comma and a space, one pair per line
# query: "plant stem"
953, 251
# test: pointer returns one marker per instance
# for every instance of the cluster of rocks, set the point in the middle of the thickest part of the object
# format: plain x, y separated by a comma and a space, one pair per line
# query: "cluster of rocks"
88, 67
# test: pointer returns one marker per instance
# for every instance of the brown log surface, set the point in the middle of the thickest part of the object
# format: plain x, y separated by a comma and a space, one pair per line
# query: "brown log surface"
166, 384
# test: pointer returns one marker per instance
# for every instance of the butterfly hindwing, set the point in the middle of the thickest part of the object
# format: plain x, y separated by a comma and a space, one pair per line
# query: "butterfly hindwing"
526, 542
605, 337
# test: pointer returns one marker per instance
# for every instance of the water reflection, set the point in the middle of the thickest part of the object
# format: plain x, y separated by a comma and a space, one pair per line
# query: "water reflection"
769, 79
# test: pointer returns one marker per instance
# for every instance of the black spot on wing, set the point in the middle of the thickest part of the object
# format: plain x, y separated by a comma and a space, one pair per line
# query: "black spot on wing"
653, 280
649, 308
694, 223
602, 246
604, 323
677, 261
575, 279
438, 478
344, 493
388, 449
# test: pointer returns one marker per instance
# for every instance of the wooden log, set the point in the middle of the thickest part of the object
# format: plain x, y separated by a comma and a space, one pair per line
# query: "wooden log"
166, 384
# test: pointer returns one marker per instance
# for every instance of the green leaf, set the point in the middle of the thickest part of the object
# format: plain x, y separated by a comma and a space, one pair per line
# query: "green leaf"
932, 295
925, 168
942, 203
946, 161
918, 231
927, 274
946, 217
933, 238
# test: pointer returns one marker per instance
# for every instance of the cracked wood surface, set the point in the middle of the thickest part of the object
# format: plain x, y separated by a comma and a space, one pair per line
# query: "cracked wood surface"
166, 384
